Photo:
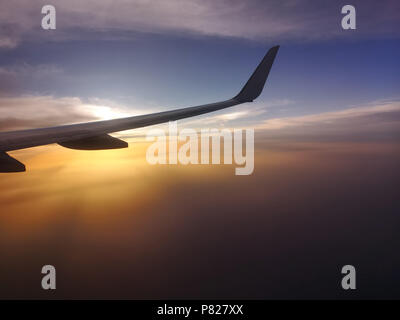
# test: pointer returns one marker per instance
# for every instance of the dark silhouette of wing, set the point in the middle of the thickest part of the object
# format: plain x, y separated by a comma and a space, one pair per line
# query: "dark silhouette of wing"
94, 135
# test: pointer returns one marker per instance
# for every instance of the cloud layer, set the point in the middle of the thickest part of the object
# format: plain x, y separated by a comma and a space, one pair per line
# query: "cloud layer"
117, 227
333, 118
26, 112
257, 20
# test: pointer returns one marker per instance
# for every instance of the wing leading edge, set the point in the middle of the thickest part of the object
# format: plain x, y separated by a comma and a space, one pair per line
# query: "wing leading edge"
94, 135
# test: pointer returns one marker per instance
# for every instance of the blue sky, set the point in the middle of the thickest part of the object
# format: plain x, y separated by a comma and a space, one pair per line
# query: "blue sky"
199, 52
175, 71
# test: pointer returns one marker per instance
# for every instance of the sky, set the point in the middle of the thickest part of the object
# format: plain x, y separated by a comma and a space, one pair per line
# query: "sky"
326, 150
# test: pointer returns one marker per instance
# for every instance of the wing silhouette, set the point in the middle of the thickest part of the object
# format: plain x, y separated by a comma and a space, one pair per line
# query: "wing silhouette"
94, 135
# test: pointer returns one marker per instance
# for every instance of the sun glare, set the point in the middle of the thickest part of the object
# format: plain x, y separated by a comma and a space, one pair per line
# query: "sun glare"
106, 112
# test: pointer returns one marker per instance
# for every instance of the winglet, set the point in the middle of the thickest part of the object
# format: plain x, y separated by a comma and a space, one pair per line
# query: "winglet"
254, 86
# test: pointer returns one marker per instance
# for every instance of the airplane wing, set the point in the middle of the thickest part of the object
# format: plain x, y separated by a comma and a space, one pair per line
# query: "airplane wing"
94, 135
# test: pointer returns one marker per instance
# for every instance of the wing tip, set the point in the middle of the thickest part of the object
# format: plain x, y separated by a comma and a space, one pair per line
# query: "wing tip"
9, 164
254, 86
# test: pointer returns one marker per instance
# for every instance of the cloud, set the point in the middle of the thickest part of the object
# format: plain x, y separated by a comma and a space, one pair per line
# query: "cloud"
123, 229
377, 121
256, 20
329, 118
13, 77
276, 103
17, 113
8, 42
10, 30
27, 70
